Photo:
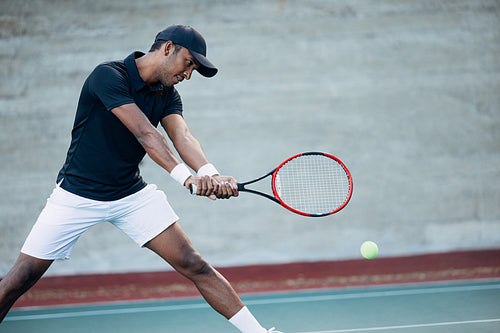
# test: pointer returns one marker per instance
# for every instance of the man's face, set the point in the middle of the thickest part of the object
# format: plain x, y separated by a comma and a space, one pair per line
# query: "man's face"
176, 67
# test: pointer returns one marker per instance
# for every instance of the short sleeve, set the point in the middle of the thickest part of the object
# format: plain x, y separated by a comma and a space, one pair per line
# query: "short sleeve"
111, 86
174, 105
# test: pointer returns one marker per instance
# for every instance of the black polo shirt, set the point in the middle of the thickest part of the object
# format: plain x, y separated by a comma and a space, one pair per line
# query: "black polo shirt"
103, 159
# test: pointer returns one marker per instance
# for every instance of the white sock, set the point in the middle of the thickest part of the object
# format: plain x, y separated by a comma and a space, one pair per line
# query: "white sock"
246, 322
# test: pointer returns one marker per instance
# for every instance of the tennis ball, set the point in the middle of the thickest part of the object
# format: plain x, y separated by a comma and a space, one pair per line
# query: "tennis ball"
369, 250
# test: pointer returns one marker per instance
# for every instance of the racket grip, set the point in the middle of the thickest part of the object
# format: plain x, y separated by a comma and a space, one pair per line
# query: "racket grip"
192, 189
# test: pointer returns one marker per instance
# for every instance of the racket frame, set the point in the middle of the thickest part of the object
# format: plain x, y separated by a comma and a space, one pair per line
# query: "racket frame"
276, 198
241, 187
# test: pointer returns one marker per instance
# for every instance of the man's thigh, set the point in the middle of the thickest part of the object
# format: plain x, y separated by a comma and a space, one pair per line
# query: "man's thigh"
174, 246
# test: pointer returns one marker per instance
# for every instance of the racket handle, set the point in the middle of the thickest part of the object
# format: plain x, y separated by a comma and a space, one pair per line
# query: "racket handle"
192, 189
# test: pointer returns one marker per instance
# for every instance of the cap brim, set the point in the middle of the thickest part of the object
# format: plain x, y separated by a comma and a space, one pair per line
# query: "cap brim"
206, 68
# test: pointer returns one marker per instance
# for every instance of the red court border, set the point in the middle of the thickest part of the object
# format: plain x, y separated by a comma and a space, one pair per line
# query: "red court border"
103, 288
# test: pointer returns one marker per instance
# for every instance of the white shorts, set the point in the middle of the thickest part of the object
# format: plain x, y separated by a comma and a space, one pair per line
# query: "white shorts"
142, 216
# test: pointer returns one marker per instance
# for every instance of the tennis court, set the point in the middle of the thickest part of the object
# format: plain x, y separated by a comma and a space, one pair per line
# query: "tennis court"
438, 307
405, 92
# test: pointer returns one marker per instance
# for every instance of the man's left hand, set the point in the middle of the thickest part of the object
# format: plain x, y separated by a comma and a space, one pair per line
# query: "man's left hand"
226, 187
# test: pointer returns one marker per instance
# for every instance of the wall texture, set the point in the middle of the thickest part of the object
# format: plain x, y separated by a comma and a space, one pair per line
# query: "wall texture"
407, 93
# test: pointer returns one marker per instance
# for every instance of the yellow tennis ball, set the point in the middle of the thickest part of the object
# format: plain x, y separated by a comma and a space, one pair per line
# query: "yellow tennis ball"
369, 250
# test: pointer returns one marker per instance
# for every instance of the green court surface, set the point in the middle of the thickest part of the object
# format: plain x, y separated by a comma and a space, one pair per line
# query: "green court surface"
443, 307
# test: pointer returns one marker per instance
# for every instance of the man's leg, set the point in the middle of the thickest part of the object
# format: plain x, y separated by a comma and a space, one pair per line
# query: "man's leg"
175, 248
26, 271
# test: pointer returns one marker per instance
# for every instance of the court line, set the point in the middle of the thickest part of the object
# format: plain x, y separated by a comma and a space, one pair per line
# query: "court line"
449, 323
373, 294
13, 316
106, 312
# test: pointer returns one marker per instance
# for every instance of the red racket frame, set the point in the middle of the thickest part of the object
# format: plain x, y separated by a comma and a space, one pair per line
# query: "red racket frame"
276, 195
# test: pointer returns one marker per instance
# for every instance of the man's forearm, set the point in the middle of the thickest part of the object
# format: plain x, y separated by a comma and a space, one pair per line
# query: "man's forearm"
190, 151
158, 150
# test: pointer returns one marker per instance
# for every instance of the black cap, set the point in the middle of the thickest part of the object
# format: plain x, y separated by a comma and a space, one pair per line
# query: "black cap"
191, 40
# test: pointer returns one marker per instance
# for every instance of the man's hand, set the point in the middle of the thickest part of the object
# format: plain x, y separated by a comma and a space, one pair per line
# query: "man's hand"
205, 186
222, 187
227, 187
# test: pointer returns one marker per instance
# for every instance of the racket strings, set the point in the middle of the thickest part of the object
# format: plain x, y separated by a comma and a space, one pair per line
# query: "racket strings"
313, 184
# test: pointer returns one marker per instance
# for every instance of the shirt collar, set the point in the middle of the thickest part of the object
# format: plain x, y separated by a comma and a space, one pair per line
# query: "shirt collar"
137, 82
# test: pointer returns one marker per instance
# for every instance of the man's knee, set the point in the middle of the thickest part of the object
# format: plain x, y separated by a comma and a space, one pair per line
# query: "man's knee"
193, 264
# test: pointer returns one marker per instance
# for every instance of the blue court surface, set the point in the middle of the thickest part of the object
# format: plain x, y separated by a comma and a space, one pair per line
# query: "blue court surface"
443, 307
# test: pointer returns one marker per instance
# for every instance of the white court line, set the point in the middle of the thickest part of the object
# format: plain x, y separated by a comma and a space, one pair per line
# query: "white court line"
373, 294
60, 313
107, 312
449, 323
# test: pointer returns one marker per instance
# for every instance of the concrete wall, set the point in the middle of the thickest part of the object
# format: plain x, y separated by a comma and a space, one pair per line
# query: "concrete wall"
407, 93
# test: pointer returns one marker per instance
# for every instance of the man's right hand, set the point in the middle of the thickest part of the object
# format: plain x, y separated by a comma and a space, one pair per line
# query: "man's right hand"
206, 186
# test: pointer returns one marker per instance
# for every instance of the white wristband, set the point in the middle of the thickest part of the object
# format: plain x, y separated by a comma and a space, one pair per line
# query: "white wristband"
208, 170
180, 173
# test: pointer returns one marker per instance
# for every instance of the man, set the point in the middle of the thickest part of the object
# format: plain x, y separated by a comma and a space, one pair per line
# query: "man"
120, 105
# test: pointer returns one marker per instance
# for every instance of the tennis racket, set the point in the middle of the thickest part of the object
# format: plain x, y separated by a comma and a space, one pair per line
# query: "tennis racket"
312, 184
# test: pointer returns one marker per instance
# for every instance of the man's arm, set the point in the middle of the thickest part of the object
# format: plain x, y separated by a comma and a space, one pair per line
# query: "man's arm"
190, 151
156, 146
185, 143
148, 136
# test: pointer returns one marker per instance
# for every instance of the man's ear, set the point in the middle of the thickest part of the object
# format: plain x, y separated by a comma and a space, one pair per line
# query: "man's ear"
168, 48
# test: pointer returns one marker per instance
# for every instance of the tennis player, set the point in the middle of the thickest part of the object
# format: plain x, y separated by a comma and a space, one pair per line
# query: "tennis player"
120, 107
